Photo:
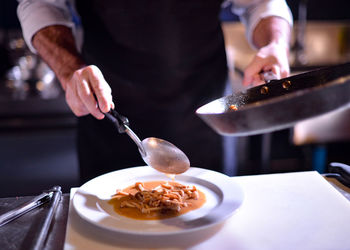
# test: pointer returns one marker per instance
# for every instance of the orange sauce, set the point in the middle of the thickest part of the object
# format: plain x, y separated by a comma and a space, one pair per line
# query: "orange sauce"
135, 213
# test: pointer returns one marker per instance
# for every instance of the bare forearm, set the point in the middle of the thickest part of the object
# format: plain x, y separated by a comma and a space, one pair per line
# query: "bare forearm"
56, 46
272, 30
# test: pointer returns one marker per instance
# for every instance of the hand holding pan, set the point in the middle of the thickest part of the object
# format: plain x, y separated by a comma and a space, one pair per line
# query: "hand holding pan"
279, 104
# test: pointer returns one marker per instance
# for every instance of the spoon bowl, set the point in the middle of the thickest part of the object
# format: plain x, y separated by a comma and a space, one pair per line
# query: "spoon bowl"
164, 156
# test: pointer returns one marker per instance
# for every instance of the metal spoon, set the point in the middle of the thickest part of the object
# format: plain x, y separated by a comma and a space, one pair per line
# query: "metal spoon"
157, 153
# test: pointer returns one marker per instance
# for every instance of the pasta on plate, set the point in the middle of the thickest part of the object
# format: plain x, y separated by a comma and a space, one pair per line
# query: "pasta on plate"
155, 200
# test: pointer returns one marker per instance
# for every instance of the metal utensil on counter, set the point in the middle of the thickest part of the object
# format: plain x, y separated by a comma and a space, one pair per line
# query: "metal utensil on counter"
37, 201
157, 153
43, 233
340, 172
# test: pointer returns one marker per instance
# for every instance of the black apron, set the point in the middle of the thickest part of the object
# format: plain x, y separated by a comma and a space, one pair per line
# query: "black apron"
163, 59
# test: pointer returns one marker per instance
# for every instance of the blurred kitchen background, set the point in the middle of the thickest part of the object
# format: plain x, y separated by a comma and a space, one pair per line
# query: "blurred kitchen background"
37, 129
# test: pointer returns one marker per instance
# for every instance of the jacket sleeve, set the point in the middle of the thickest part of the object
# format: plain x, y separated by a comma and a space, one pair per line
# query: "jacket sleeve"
252, 11
35, 15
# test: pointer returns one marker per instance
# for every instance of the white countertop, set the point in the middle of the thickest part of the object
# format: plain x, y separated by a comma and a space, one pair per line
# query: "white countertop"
280, 211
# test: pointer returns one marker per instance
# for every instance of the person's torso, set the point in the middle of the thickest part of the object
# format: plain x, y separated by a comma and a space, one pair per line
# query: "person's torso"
163, 59
165, 48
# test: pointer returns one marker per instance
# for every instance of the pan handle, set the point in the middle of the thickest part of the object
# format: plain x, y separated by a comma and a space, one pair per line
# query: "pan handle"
268, 76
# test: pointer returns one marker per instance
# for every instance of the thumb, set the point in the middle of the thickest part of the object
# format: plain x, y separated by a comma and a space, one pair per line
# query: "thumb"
247, 80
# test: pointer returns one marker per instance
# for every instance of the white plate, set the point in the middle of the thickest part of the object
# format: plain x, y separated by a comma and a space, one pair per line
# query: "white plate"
223, 198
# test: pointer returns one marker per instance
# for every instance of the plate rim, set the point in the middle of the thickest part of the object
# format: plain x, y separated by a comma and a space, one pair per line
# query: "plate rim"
222, 218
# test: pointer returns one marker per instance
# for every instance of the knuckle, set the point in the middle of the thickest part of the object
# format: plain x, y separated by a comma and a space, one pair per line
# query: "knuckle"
92, 70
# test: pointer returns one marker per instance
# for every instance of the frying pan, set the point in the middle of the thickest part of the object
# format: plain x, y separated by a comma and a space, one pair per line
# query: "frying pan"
279, 104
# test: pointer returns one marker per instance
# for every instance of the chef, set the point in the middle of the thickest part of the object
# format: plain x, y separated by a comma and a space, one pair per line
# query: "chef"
155, 62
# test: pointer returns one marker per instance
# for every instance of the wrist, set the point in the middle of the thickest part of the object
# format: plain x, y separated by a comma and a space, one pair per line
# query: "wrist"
64, 72
273, 31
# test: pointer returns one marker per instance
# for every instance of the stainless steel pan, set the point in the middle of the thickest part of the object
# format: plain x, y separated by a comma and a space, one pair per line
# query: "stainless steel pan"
280, 103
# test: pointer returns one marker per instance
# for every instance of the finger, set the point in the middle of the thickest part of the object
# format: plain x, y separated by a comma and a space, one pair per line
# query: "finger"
258, 79
276, 70
253, 78
101, 89
87, 98
74, 102
252, 72
285, 72
247, 80
104, 97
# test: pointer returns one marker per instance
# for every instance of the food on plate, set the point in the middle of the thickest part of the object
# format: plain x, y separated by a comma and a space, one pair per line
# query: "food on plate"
156, 200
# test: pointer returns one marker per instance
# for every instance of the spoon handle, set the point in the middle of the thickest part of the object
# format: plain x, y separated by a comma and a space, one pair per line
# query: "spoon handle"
118, 120
122, 124
136, 139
